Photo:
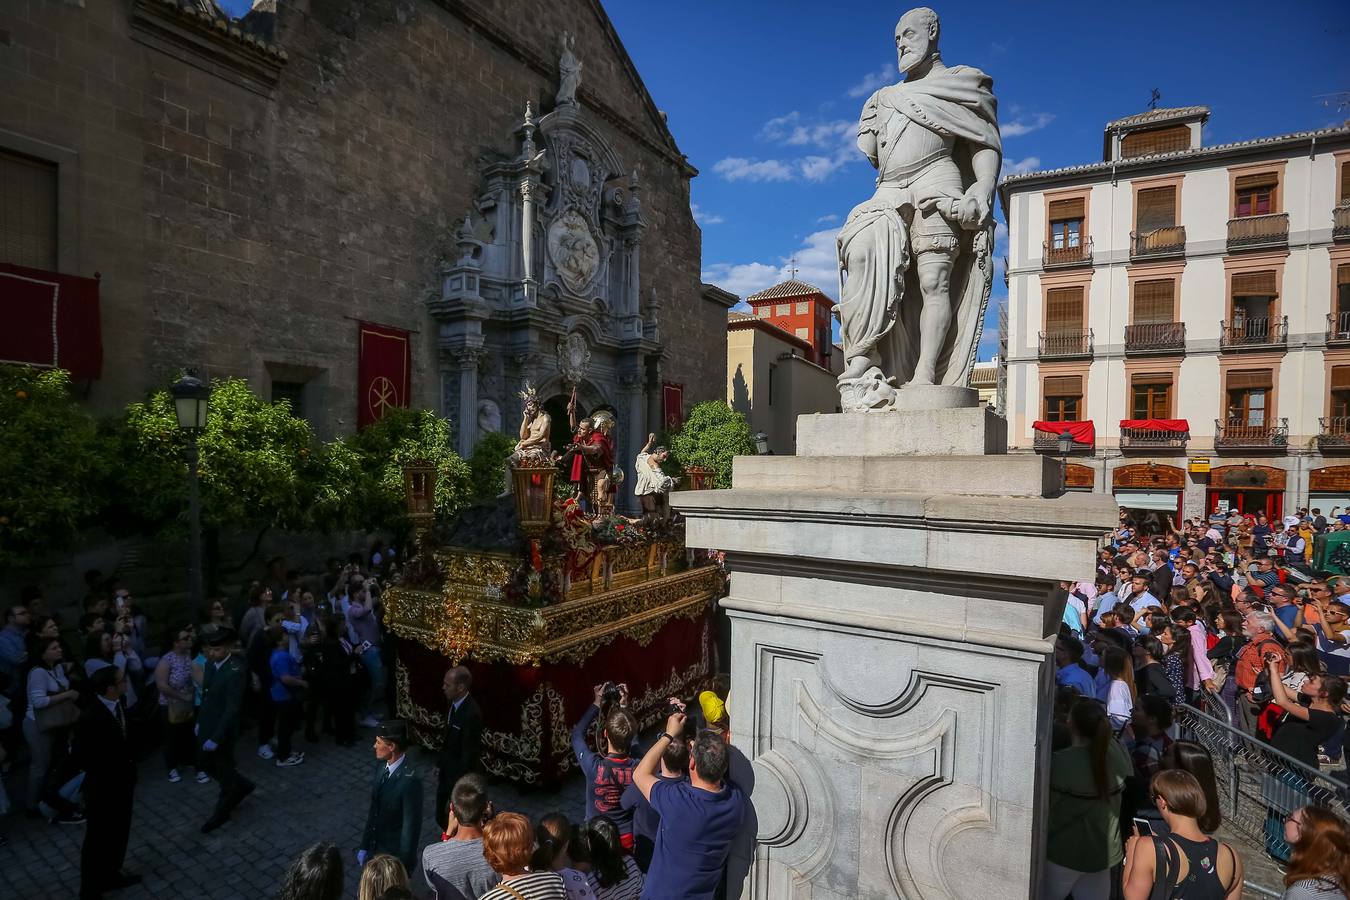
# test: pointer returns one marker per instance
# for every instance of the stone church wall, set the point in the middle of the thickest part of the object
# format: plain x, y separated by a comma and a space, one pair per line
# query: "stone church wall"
247, 234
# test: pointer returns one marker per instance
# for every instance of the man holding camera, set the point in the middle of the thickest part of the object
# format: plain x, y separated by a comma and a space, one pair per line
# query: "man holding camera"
700, 818
608, 773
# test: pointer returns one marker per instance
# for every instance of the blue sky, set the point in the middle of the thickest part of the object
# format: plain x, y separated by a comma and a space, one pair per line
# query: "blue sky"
764, 97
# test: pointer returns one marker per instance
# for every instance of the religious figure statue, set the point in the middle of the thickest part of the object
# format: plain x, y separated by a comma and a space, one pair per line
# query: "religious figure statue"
569, 71
534, 442
574, 460
599, 453
489, 417
653, 485
915, 260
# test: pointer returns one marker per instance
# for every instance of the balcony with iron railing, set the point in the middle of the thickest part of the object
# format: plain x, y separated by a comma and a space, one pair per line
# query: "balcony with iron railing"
1067, 257
1153, 439
1045, 442
1155, 337
1333, 435
1338, 329
1237, 434
1168, 241
1065, 344
1340, 222
1258, 232
1254, 334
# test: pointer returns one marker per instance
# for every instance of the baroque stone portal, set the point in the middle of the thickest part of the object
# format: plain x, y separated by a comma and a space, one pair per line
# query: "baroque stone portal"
915, 260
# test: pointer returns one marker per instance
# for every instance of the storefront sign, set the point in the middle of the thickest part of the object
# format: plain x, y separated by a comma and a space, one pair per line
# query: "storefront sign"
1079, 477
1199, 465
1247, 478
1329, 479
1149, 476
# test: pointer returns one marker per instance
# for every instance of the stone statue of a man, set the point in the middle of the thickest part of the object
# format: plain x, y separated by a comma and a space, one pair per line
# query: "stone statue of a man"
915, 260
534, 443
569, 71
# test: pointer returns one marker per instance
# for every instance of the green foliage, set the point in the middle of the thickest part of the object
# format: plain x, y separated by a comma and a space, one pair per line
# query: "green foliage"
487, 466
712, 436
378, 455
52, 463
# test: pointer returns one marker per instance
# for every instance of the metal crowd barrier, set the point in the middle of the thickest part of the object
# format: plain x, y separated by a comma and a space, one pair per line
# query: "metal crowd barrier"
1258, 785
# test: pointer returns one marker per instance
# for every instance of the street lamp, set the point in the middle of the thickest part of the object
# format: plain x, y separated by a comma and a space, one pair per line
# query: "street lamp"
191, 399
1065, 448
761, 443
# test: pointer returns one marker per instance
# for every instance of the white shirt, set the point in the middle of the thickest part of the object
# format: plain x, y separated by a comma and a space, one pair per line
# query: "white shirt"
112, 706
391, 767
649, 480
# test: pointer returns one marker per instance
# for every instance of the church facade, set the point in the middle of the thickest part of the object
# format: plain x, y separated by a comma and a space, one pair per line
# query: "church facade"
365, 204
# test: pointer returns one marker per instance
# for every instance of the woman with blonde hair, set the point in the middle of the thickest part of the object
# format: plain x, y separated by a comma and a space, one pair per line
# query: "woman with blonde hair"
1319, 868
382, 872
1186, 864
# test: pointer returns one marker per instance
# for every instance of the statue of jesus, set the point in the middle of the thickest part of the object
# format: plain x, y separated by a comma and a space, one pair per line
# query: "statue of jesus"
915, 260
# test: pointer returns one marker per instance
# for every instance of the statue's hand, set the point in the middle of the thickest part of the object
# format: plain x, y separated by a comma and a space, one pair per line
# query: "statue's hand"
973, 210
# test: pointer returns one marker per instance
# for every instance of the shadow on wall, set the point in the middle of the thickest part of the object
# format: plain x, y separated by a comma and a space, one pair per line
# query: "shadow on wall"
740, 392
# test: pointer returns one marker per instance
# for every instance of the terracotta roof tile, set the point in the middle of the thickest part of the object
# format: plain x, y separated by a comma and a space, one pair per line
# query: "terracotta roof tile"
790, 288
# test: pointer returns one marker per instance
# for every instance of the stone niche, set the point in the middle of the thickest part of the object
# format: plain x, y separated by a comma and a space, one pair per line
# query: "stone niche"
544, 289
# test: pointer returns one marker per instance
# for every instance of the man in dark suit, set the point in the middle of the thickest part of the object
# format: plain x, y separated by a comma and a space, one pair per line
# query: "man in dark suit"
102, 750
394, 823
218, 721
463, 739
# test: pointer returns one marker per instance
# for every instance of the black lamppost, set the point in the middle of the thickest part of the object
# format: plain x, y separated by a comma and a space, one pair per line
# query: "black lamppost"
191, 397
1065, 448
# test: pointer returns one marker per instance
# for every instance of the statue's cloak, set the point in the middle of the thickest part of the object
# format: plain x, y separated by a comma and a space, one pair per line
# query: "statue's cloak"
881, 310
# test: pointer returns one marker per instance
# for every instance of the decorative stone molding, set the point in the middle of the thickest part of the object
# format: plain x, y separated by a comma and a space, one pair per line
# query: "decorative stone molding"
187, 32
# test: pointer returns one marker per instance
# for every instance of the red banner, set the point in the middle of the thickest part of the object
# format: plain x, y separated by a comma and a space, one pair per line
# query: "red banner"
1081, 432
1178, 425
672, 405
383, 371
50, 320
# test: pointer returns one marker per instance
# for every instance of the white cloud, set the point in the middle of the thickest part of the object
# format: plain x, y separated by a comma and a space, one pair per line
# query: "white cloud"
1000, 237
814, 262
873, 80
794, 132
703, 217
1021, 166
742, 279
739, 168
827, 219
1020, 126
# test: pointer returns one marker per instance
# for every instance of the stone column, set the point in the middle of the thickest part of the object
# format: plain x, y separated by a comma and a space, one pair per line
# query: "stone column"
892, 612
527, 192
466, 370
633, 428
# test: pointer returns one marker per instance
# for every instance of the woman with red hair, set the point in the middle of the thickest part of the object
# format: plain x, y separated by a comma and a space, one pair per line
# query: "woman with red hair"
508, 844
1319, 867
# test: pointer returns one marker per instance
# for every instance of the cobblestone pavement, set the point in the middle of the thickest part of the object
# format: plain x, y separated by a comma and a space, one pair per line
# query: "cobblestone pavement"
324, 799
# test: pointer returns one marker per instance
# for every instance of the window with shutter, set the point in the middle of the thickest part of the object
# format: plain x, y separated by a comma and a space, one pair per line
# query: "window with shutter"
1153, 301
1063, 397
1254, 284
1340, 394
1342, 293
1345, 181
1254, 195
1155, 208
1159, 140
1064, 310
1067, 209
1248, 398
27, 211
1151, 396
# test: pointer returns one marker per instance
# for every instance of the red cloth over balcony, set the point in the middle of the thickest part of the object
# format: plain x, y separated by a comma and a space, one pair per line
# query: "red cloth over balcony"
50, 320
1082, 432
1181, 426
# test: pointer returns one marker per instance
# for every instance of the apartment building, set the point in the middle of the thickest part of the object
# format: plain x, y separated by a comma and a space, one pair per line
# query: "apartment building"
1183, 313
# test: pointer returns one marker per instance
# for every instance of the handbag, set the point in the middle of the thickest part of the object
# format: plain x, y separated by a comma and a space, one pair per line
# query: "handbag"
180, 711
54, 716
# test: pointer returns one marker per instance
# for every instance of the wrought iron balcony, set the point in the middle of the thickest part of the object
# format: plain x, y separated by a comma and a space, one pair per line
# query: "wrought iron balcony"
1340, 222
1155, 337
1237, 434
1251, 334
1152, 439
1045, 442
1334, 434
1338, 328
1067, 257
1065, 344
1168, 241
1252, 232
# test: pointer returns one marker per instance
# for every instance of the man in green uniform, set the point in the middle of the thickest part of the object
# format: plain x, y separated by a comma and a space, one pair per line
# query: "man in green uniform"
218, 721
394, 824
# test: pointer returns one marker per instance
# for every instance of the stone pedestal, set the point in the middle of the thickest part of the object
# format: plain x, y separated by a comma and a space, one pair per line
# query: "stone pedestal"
892, 620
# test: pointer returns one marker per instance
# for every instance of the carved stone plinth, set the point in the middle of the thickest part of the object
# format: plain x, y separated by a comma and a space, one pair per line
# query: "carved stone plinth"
892, 620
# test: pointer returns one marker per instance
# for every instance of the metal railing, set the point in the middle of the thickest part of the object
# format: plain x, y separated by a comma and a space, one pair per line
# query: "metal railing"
1333, 433
1059, 257
1340, 222
1265, 331
1045, 442
1152, 439
1258, 231
1065, 343
1167, 241
1155, 337
1258, 785
1338, 328
1234, 433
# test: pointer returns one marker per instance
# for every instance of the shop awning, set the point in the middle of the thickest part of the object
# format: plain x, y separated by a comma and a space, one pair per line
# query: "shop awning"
1165, 501
51, 320
1082, 432
1180, 426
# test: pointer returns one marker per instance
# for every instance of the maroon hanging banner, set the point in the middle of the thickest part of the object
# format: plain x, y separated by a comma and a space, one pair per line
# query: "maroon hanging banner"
51, 320
672, 405
383, 371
